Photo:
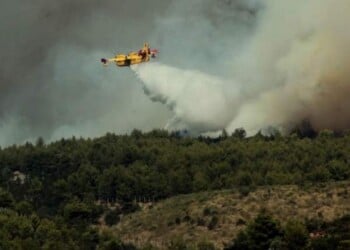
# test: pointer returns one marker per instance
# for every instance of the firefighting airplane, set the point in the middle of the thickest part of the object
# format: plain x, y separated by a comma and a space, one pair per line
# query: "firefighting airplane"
143, 55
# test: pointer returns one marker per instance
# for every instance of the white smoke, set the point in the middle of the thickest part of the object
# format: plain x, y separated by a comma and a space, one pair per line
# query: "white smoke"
199, 101
293, 65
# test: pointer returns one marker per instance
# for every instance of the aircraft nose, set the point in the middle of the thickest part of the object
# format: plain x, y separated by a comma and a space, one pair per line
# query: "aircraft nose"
104, 60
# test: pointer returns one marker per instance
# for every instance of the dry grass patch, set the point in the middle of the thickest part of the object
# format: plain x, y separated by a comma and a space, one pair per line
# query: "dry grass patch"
219, 216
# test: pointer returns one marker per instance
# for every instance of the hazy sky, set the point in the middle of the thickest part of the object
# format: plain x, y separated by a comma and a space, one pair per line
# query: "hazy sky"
52, 83
222, 64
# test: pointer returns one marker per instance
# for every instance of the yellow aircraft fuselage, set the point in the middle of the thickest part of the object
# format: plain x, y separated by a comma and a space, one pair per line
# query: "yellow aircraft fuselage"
130, 59
121, 60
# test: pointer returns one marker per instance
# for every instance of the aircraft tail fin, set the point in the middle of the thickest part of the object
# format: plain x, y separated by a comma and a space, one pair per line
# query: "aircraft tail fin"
104, 61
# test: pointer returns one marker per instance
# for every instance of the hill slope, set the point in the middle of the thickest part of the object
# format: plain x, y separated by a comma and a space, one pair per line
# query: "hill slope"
218, 216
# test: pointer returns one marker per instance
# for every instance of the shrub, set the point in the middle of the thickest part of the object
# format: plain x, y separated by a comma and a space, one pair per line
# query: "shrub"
200, 222
295, 234
177, 220
130, 207
244, 191
112, 218
209, 211
204, 245
213, 222
240, 222
6, 199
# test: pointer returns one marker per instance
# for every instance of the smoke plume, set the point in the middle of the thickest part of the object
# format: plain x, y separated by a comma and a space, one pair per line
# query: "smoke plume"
199, 101
289, 63
223, 64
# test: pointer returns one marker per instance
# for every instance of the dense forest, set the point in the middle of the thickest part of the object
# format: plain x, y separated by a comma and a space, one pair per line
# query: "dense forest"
51, 194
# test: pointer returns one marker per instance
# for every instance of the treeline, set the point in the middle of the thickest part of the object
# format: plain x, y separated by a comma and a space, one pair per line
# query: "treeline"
157, 165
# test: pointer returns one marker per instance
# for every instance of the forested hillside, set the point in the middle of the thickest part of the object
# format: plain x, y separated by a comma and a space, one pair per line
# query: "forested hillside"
61, 188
